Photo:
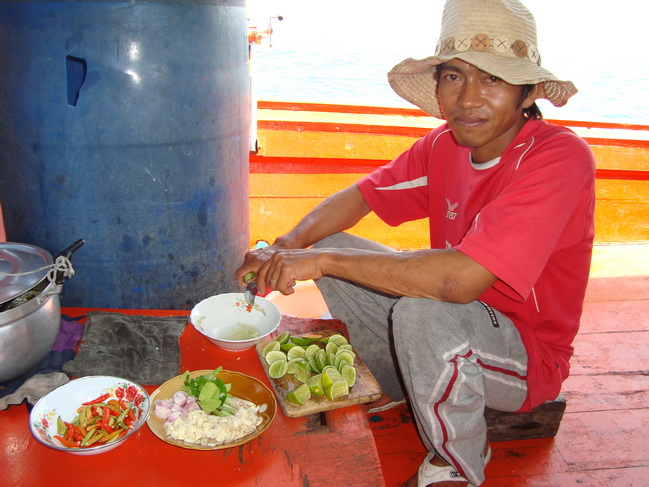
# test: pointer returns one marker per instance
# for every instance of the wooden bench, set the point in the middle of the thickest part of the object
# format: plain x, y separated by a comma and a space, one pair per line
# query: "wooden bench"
542, 422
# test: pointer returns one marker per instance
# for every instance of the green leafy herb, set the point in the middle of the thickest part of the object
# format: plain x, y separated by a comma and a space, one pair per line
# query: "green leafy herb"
210, 391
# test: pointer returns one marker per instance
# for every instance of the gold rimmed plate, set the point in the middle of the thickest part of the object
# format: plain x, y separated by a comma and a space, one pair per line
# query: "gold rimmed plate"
243, 386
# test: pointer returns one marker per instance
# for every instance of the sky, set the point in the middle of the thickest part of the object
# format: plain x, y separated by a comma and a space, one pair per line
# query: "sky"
600, 46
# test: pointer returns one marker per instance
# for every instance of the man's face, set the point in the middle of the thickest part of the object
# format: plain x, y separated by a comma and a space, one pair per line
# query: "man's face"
484, 112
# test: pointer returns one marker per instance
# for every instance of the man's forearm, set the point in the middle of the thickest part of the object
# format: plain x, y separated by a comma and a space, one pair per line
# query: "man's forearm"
445, 275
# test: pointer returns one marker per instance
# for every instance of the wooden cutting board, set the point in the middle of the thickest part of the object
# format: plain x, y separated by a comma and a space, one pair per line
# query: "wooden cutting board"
365, 390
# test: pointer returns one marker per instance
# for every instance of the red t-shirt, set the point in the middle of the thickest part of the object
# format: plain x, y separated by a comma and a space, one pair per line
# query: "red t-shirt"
527, 218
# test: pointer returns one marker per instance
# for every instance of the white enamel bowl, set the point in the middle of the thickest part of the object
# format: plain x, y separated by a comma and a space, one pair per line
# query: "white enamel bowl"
222, 317
65, 400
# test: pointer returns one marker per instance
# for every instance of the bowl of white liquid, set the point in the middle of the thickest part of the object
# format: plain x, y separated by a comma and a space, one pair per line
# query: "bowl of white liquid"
228, 321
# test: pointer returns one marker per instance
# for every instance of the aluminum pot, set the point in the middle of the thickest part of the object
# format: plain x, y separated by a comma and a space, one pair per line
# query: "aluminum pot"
28, 330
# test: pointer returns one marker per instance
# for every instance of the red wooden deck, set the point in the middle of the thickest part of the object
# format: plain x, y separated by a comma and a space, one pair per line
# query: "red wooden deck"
602, 441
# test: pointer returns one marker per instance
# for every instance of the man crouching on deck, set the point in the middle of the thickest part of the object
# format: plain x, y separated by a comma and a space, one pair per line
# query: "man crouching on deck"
488, 314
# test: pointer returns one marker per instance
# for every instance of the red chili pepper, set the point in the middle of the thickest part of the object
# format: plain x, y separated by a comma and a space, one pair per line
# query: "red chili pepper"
114, 407
69, 444
69, 432
105, 415
101, 398
122, 404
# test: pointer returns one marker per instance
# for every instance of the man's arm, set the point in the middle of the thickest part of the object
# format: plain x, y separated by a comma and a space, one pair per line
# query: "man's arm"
444, 275
337, 213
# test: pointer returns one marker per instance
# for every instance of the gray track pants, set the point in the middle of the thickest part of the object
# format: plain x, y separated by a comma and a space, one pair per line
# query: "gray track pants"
449, 359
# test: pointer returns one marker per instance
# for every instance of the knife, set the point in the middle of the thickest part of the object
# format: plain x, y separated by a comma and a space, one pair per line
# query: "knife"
251, 288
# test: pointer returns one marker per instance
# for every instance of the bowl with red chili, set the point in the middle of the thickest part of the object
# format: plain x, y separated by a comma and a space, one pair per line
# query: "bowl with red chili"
90, 415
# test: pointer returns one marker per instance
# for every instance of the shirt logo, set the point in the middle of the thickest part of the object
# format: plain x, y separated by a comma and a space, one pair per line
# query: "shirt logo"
450, 214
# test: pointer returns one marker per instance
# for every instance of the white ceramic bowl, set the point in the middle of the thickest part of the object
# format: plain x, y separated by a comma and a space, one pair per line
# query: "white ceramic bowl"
65, 400
227, 319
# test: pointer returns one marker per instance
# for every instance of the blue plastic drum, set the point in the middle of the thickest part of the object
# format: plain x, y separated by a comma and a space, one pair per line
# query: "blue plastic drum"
126, 124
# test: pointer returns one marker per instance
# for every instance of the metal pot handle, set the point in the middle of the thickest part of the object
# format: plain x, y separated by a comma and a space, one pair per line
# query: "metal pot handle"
67, 254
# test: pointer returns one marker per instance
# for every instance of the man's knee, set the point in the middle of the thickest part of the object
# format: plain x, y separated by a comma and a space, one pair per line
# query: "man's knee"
413, 316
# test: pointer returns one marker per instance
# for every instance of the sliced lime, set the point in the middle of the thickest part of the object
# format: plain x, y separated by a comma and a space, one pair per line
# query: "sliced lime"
331, 348
295, 352
302, 372
313, 337
275, 356
331, 359
291, 365
337, 390
272, 346
343, 359
313, 365
321, 359
278, 369
315, 384
311, 350
330, 376
300, 395
345, 346
287, 346
304, 342
283, 337
338, 340
349, 374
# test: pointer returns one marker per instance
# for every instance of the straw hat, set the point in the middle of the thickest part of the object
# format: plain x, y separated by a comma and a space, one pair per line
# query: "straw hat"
496, 36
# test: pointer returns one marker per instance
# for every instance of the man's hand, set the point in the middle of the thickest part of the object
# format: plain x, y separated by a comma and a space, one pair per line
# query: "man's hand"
252, 262
285, 267
337, 213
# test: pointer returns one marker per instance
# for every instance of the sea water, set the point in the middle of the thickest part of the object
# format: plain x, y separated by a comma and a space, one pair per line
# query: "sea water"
340, 52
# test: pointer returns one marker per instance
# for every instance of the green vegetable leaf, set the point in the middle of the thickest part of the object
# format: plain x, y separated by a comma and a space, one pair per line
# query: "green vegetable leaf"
210, 391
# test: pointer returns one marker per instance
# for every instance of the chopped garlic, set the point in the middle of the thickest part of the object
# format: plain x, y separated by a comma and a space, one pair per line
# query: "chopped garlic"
205, 429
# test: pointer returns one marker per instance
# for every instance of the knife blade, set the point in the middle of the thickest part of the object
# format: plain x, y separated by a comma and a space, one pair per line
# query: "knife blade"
251, 293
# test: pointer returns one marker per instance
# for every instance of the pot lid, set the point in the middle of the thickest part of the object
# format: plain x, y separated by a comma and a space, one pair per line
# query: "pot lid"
17, 258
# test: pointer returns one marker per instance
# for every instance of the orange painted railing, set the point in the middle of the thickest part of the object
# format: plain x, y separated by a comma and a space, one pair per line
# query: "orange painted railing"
309, 150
